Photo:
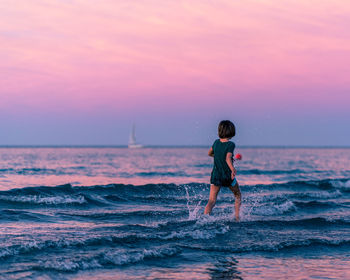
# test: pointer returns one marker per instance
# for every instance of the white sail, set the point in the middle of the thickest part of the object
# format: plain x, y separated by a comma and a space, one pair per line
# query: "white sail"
132, 139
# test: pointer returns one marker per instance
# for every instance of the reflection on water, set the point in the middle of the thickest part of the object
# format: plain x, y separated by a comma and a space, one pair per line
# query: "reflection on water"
225, 269
23, 167
240, 267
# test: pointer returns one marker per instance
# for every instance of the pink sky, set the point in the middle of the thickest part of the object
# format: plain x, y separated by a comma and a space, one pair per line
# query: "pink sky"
91, 55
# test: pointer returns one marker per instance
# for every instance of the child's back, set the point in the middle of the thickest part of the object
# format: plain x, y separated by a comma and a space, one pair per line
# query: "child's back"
221, 174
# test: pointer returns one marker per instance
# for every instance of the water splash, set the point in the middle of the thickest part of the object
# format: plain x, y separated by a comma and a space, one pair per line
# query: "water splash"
192, 213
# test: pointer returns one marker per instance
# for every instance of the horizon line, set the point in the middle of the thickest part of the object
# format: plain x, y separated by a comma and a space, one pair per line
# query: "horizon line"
173, 146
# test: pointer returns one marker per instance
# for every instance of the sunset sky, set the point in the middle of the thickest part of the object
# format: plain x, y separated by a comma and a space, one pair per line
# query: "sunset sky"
82, 71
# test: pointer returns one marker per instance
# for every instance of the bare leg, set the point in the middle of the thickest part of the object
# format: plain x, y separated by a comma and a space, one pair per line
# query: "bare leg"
214, 190
237, 192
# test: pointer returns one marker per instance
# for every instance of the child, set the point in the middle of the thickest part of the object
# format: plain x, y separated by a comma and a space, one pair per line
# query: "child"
223, 174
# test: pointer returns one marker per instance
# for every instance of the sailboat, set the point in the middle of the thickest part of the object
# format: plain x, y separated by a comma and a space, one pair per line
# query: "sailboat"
132, 139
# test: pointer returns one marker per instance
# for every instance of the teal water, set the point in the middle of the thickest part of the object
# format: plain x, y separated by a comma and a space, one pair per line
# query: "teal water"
115, 213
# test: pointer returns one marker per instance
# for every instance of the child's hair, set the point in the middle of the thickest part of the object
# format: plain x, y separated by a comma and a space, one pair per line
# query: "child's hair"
226, 129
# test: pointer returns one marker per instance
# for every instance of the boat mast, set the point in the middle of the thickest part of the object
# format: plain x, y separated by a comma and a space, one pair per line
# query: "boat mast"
132, 139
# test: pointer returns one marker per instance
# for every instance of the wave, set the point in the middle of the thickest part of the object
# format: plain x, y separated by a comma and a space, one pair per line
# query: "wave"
11, 215
30, 247
325, 184
317, 195
48, 200
192, 239
200, 230
281, 205
342, 185
131, 214
309, 222
305, 244
63, 195
108, 259
316, 205
112, 194
268, 209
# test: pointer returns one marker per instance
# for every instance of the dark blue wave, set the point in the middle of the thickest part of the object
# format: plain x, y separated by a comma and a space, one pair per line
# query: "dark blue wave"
305, 244
305, 222
110, 216
316, 204
325, 184
101, 195
107, 259
113, 259
13, 215
192, 235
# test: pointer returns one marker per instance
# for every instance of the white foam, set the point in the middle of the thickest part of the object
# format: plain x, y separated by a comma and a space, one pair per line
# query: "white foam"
38, 199
111, 257
16, 250
6, 252
274, 209
120, 257
219, 217
347, 185
324, 194
198, 233
32, 245
341, 185
69, 265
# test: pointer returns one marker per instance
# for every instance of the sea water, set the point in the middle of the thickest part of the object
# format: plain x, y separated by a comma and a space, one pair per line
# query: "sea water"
118, 213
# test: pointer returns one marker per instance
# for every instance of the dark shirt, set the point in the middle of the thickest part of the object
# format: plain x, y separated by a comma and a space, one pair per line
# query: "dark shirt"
221, 174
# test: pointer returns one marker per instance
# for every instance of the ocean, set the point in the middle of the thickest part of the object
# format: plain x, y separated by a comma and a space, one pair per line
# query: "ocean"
118, 213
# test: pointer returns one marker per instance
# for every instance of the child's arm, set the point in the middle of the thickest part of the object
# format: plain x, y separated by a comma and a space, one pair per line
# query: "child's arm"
230, 165
211, 152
